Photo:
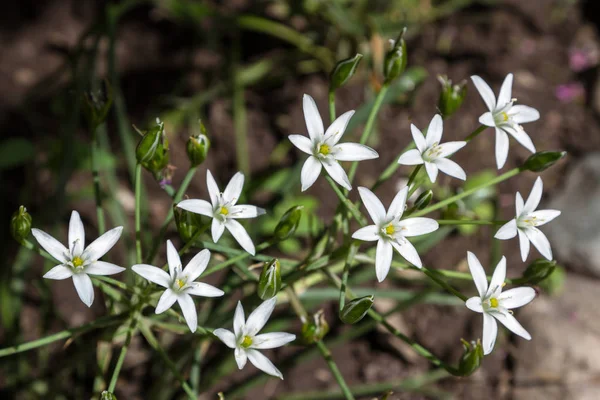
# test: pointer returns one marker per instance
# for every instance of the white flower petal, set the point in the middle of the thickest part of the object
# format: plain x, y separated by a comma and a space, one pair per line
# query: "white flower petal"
534, 197
226, 337
544, 216
369, 233
474, 304
432, 171
197, 265
216, 229
418, 226
434, 131
524, 244
485, 91
102, 268
540, 241
59, 272
240, 235
240, 357
272, 340
201, 207
512, 324
234, 188
487, 119
203, 290
239, 321
302, 143
259, 317
519, 204
166, 301
521, 136
52, 246
498, 278
76, 234
383, 259
102, 245
478, 274
314, 123
451, 168
353, 152
408, 251
245, 211
153, 274
501, 147
516, 297
261, 362
172, 259
310, 172
418, 138
490, 332
213, 189
449, 148
398, 204
411, 157
505, 95
523, 114
337, 129
85, 290
337, 173
189, 311
507, 231
372, 204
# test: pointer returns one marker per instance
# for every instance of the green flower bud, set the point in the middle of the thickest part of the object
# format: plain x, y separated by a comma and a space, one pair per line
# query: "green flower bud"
316, 329
539, 270
451, 96
269, 283
343, 71
356, 309
471, 358
555, 282
288, 223
20, 224
394, 63
187, 223
543, 160
423, 200
153, 150
96, 105
197, 146
106, 395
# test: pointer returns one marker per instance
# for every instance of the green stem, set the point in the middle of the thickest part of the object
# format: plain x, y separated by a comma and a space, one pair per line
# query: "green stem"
346, 201
121, 359
369, 125
96, 178
468, 222
349, 259
434, 277
28, 245
476, 132
331, 105
411, 180
467, 193
138, 221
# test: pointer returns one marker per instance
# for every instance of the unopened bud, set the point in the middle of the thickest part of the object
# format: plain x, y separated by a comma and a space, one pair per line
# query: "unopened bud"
106, 395
96, 105
394, 63
197, 147
451, 96
343, 71
152, 151
555, 282
269, 283
356, 309
187, 223
471, 358
539, 270
288, 223
20, 224
423, 200
543, 160
315, 329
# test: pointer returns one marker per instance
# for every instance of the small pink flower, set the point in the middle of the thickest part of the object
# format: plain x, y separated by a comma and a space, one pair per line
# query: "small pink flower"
569, 92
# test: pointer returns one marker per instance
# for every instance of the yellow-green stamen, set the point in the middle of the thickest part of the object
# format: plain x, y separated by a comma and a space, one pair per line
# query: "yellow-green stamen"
494, 302
223, 211
77, 262
180, 283
246, 342
504, 116
390, 230
324, 149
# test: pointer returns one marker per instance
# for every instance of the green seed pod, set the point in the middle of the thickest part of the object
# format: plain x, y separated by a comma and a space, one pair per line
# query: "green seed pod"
539, 270
315, 329
187, 223
394, 63
451, 96
20, 224
106, 395
423, 200
343, 71
356, 309
96, 105
269, 283
543, 160
288, 223
153, 150
197, 146
471, 358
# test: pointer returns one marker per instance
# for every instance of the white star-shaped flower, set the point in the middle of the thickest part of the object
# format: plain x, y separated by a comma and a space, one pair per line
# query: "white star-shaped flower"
179, 283
77, 262
526, 222
324, 149
505, 117
494, 304
432, 153
246, 341
390, 232
224, 211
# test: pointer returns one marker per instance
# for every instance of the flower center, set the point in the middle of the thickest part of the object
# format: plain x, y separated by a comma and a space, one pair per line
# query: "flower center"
77, 262
493, 302
433, 152
324, 149
390, 230
504, 116
246, 342
180, 282
223, 210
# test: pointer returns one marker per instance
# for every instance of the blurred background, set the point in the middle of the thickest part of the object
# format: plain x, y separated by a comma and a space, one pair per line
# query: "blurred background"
242, 66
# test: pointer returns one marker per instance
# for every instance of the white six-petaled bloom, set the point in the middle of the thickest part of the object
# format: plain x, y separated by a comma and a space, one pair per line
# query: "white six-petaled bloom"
495, 304
526, 222
505, 117
432, 153
77, 262
246, 341
179, 283
390, 232
324, 149
224, 211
